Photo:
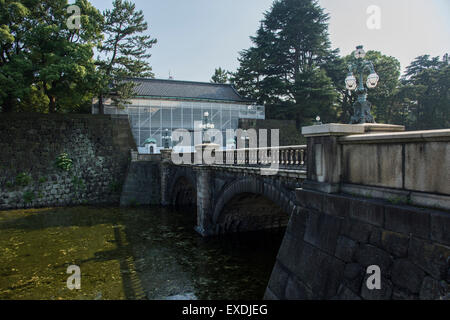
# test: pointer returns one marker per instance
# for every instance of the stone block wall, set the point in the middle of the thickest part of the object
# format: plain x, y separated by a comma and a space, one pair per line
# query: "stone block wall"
142, 185
331, 240
98, 146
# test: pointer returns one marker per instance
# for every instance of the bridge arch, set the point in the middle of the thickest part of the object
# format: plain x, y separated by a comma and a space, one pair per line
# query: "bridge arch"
182, 189
272, 207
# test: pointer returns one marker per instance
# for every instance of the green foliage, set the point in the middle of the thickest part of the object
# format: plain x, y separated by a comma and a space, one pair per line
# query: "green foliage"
28, 197
44, 65
115, 187
23, 180
9, 185
63, 162
220, 76
424, 96
291, 69
43, 180
124, 53
398, 200
78, 183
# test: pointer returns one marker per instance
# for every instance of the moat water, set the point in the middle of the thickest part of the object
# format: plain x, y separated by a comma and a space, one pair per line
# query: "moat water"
136, 253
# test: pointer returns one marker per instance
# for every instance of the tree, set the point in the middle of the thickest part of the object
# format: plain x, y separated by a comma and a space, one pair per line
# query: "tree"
15, 68
284, 68
220, 76
426, 93
47, 63
124, 53
63, 57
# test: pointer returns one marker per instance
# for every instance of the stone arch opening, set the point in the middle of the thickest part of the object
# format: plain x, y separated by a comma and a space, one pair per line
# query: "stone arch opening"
246, 212
184, 195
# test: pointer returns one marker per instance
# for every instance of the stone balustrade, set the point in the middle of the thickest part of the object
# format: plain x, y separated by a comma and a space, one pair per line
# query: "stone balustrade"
288, 157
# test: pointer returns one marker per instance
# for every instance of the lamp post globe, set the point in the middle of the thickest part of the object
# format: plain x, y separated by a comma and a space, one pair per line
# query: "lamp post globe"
360, 53
372, 80
350, 82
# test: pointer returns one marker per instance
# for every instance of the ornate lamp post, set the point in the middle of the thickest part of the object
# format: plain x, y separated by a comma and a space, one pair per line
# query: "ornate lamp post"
361, 107
166, 138
205, 126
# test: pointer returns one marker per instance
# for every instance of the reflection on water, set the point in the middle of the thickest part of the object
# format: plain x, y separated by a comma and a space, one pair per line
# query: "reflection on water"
139, 253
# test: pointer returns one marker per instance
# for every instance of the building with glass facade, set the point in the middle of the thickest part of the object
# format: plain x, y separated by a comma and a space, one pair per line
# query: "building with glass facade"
171, 104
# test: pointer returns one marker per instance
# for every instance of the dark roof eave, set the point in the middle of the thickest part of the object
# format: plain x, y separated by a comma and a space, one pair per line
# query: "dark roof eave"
196, 99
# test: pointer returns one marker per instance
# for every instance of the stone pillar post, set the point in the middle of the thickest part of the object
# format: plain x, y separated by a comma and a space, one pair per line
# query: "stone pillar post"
134, 155
324, 163
204, 200
165, 176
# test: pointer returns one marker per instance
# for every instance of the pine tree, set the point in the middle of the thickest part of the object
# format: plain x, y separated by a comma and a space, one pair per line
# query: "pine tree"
284, 67
124, 53
220, 76
426, 84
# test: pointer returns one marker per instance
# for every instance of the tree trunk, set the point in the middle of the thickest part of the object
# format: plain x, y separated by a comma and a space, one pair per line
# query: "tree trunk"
52, 105
101, 107
52, 99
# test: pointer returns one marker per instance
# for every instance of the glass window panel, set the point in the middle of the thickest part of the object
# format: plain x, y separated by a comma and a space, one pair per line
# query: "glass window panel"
176, 118
136, 136
216, 115
156, 134
198, 115
145, 134
234, 119
187, 116
145, 118
226, 118
156, 118
166, 118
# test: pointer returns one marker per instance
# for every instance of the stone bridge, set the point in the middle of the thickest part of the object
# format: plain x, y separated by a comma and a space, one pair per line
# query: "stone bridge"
372, 195
239, 196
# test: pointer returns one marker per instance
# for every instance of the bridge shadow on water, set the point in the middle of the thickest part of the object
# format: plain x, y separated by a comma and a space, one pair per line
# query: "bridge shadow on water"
159, 254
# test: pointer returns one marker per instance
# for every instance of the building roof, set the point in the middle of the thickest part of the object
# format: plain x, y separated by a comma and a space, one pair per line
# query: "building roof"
150, 141
176, 89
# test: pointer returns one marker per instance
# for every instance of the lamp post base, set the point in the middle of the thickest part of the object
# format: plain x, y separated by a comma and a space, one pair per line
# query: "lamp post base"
361, 112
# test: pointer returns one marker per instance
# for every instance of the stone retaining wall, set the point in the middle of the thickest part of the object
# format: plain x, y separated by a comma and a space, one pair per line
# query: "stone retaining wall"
98, 146
142, 184
332, 239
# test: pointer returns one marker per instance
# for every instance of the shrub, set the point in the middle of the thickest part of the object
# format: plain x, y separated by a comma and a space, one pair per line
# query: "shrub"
115, 187
23, 180
28, 197
78, 183
64, 162
42, 180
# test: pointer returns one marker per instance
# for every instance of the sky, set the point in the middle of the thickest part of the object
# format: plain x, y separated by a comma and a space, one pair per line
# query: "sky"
197, 36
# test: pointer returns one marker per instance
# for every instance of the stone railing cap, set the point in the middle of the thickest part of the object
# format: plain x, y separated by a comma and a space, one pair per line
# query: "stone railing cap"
338, 129
393, 137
